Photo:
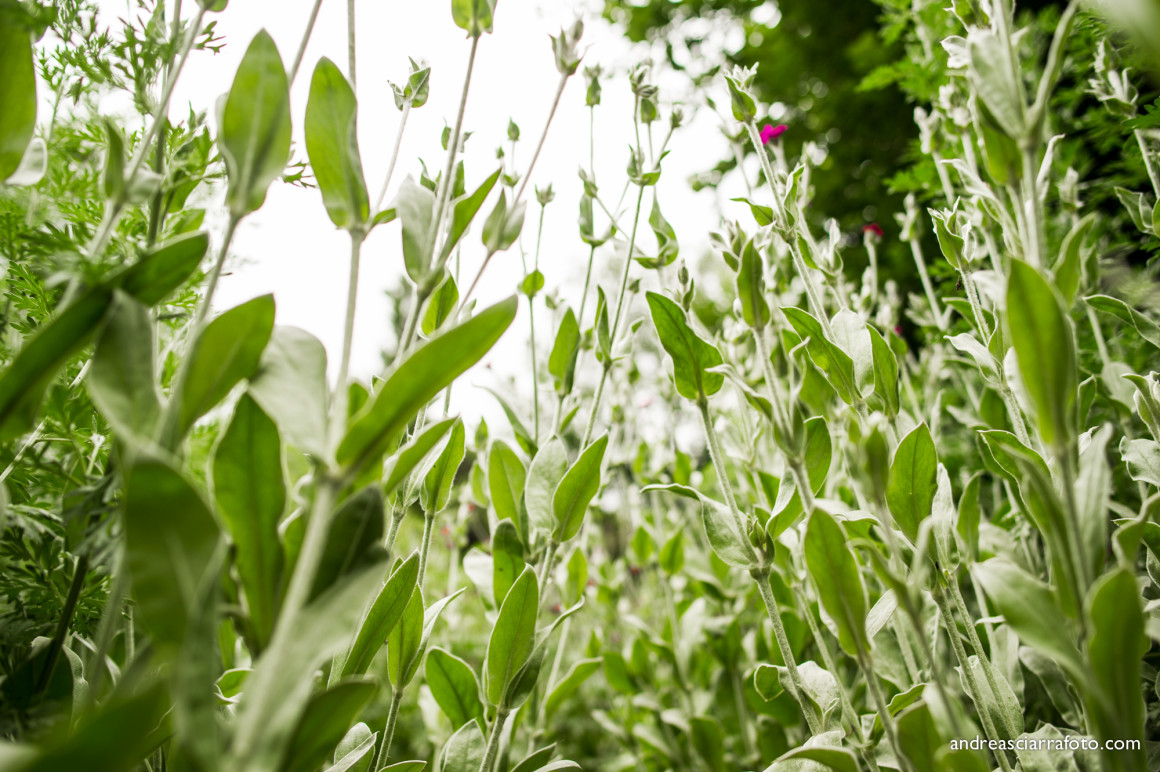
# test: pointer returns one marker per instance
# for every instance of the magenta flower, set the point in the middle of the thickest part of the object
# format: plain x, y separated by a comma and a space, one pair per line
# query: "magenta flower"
769, 132
874, 228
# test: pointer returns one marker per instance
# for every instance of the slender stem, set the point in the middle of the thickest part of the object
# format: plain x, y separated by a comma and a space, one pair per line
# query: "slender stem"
305, 40
66, 615
341, 392
927, 287
543, 137
393, 529
546, 566
394, 155
350, 45
428, 529
977, 645
809, 712
723, 477
1033, 211
865, 664
968, 672
389, 730
532, 331
97, 666
587, 281
492, 751
616, 319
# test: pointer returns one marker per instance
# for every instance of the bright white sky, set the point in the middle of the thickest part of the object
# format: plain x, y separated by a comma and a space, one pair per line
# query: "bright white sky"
290, 247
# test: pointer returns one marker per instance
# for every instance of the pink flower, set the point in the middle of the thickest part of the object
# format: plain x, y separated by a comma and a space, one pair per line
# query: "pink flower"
898, 330
872, 228
770, 132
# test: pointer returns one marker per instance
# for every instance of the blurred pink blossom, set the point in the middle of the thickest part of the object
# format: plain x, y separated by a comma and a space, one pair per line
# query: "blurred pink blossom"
770, 132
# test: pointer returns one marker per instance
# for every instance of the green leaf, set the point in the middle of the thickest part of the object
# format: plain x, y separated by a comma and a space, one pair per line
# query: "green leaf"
562, 359
831, 757
417, 380
465, 210
405, 766
416, 208
720, 528
692, 357
407, 459
453, 685
290, 385
767, 682
1145, 327
885, 373
751, 288
835, 574
250, 489
440, 305
384, 614
164, 268
547, 469
709, 741
464, 750
437, 482
475, 16
171, 559
1069, 268
580, 672
507, 559
1143, 460
405, 640
228, 350
324, 723
332, 145
356, 750
911, 485
255, 126
993, 81
536, 760
513, 636
831, 360
17, 96
576, 489
505, 482
919, 737
1029, 607
1045, 349
353, 540
22, 385
1116, 644
120, 378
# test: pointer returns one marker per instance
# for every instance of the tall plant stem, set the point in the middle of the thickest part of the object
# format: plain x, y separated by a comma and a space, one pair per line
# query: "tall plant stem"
972, 683
927, 287
492, 751
425, 548
813, 293
616, 318
394, 155
546, 567
305, 40
587, 281
341, 392
66, 615
1032, 210
813, 721
389, 730
350, 45
977, 646
865, 664
543, 137
532, 332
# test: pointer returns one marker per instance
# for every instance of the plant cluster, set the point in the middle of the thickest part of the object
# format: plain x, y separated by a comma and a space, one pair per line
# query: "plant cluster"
784, 535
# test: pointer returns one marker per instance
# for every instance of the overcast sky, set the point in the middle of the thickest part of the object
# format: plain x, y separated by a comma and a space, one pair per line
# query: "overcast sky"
291, 248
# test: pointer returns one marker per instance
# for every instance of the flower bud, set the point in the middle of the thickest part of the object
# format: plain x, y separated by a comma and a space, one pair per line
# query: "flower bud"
565, 47
740, 82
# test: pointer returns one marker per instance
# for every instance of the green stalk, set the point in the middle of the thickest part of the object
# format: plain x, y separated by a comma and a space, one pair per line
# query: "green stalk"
977, 645
350, 41
1149, 162
341, 391
543, 136
383, 755
972, 683
927, 287
492, 751
305, 39
66, 615
428, 529
865, 664
546, 566
394, 155
616, 318
813, 720
532, 329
